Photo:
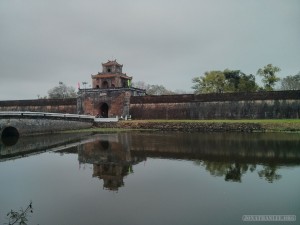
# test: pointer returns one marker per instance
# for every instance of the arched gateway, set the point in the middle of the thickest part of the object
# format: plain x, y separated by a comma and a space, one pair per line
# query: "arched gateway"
110, 93
104, 110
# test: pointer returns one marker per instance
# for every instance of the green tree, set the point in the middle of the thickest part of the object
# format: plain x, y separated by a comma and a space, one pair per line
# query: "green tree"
211, 82
62, 91
291, 82
269, 76
226, 81
237, 81
232, 80
247, 83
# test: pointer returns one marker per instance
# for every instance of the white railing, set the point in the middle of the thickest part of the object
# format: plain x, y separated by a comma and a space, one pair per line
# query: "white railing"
62, 115
113, 119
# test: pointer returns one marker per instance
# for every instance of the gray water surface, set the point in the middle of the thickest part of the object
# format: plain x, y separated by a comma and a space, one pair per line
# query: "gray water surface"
151, 178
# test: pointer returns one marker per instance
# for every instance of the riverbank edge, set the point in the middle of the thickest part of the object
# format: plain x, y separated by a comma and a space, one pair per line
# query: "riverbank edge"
247, 126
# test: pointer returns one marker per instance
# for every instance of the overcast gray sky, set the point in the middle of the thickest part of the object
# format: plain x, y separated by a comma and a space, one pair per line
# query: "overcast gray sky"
163, 42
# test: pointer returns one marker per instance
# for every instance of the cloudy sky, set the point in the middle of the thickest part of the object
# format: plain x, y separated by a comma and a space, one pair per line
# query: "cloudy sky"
163, 42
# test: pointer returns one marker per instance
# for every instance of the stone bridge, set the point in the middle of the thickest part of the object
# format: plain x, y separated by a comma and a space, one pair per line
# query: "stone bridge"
27, 123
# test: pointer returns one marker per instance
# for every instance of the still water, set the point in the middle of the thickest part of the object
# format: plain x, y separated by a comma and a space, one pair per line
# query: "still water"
151, 178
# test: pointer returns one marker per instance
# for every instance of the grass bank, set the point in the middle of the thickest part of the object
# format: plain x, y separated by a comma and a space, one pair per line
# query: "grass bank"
272, 125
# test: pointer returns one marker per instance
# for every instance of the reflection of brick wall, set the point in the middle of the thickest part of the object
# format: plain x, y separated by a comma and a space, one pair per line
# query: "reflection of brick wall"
40, 105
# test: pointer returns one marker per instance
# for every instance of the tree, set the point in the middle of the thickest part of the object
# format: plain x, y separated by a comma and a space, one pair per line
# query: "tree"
211, 82
237, 81
140, 84
154, 89
247, 83
62, 91
291, 82
226, 81
269, 76
158, 90
232, 80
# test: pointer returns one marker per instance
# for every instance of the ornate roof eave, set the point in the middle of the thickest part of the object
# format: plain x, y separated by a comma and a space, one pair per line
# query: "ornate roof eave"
110, 75
126, 77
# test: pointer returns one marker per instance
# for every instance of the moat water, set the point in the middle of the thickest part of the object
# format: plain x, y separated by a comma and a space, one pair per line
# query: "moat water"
140, 178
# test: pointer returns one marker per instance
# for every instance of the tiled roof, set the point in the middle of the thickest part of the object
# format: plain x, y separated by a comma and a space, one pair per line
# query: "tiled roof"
110, 75
111, 63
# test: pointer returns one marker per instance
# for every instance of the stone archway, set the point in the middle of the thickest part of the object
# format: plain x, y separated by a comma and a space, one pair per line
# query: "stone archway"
104, 110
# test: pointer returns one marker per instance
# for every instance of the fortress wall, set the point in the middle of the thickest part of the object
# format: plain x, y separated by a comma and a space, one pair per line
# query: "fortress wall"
41, 105
256, 105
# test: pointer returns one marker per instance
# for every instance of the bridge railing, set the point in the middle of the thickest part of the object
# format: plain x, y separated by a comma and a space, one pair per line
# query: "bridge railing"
58, 115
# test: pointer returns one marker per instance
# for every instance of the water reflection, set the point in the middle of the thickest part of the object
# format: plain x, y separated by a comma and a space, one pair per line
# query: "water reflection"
12, 147
234, 171
188, 178
226, 155
111, 158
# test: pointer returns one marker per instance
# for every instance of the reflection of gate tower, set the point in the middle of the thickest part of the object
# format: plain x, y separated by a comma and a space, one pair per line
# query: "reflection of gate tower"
110, 93
112, 174
114, 165
111, 159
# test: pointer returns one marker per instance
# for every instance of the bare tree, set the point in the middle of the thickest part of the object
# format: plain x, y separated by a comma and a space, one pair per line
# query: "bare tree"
62, 91
291, 82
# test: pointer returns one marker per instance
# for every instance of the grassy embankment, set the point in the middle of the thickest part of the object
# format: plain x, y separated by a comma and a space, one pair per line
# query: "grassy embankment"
267, 125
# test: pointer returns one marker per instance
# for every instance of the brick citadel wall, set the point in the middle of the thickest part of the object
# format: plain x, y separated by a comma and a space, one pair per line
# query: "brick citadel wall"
41, 105
255, 105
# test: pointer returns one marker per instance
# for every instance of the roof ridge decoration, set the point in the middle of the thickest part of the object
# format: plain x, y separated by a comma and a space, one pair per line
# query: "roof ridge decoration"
111, 62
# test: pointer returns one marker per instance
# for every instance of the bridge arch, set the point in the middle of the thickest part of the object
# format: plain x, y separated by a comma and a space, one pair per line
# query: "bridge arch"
18, 123
9, 135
